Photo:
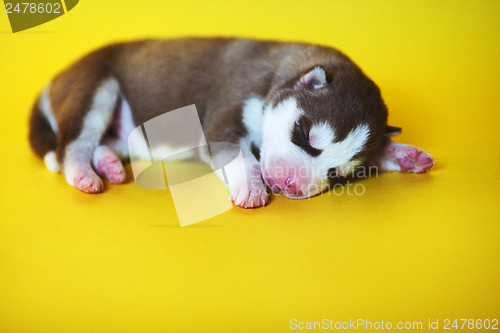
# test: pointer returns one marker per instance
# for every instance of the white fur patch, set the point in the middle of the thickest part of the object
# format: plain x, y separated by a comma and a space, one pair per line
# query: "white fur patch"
233, 174
387, 164
51, 161
277, 125
340, 153
79, 153
321, 135
252, 119
126, 121
46, 108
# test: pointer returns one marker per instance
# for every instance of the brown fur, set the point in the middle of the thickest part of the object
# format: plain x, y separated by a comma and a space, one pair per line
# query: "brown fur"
216, 75
41, 136
71, 94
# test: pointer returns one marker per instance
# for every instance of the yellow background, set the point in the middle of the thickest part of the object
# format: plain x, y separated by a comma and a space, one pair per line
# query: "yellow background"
412, 248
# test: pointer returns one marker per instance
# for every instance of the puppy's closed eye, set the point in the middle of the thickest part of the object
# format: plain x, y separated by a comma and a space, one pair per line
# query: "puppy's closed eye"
300, 136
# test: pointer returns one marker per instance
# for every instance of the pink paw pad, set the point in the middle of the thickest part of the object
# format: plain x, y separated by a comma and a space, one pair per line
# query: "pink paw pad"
412, 159
88, 182
110, 167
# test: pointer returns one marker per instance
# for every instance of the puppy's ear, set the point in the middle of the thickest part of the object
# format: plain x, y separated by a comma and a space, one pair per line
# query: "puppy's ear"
314, 79
392, 131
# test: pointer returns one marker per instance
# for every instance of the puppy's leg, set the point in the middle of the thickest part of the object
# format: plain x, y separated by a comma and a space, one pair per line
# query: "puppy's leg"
114, 146
43, 131
79, 153
404, 158
122, 125
243, 180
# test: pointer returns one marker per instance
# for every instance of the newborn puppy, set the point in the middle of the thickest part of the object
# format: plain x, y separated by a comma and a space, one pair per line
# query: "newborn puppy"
301, 114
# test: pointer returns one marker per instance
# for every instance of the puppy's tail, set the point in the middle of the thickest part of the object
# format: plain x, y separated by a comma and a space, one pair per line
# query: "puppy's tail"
42, 137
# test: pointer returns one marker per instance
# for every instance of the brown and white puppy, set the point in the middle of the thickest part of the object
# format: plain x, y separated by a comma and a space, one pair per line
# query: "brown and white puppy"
301, 113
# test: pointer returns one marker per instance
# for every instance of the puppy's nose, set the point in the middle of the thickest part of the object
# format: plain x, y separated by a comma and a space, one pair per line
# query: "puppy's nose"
290, 185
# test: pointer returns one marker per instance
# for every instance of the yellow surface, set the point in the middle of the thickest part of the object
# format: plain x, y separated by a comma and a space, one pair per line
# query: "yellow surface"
412, 248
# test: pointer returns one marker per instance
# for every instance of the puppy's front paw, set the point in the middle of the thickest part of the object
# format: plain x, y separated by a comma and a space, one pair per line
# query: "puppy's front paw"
249, 195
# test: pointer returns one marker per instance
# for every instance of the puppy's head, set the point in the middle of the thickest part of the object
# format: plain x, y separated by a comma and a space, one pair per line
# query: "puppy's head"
325, 122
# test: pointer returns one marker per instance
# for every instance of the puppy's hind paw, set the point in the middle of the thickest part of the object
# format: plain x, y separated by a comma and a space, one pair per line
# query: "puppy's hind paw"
108, 165
87, 181
249, 195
